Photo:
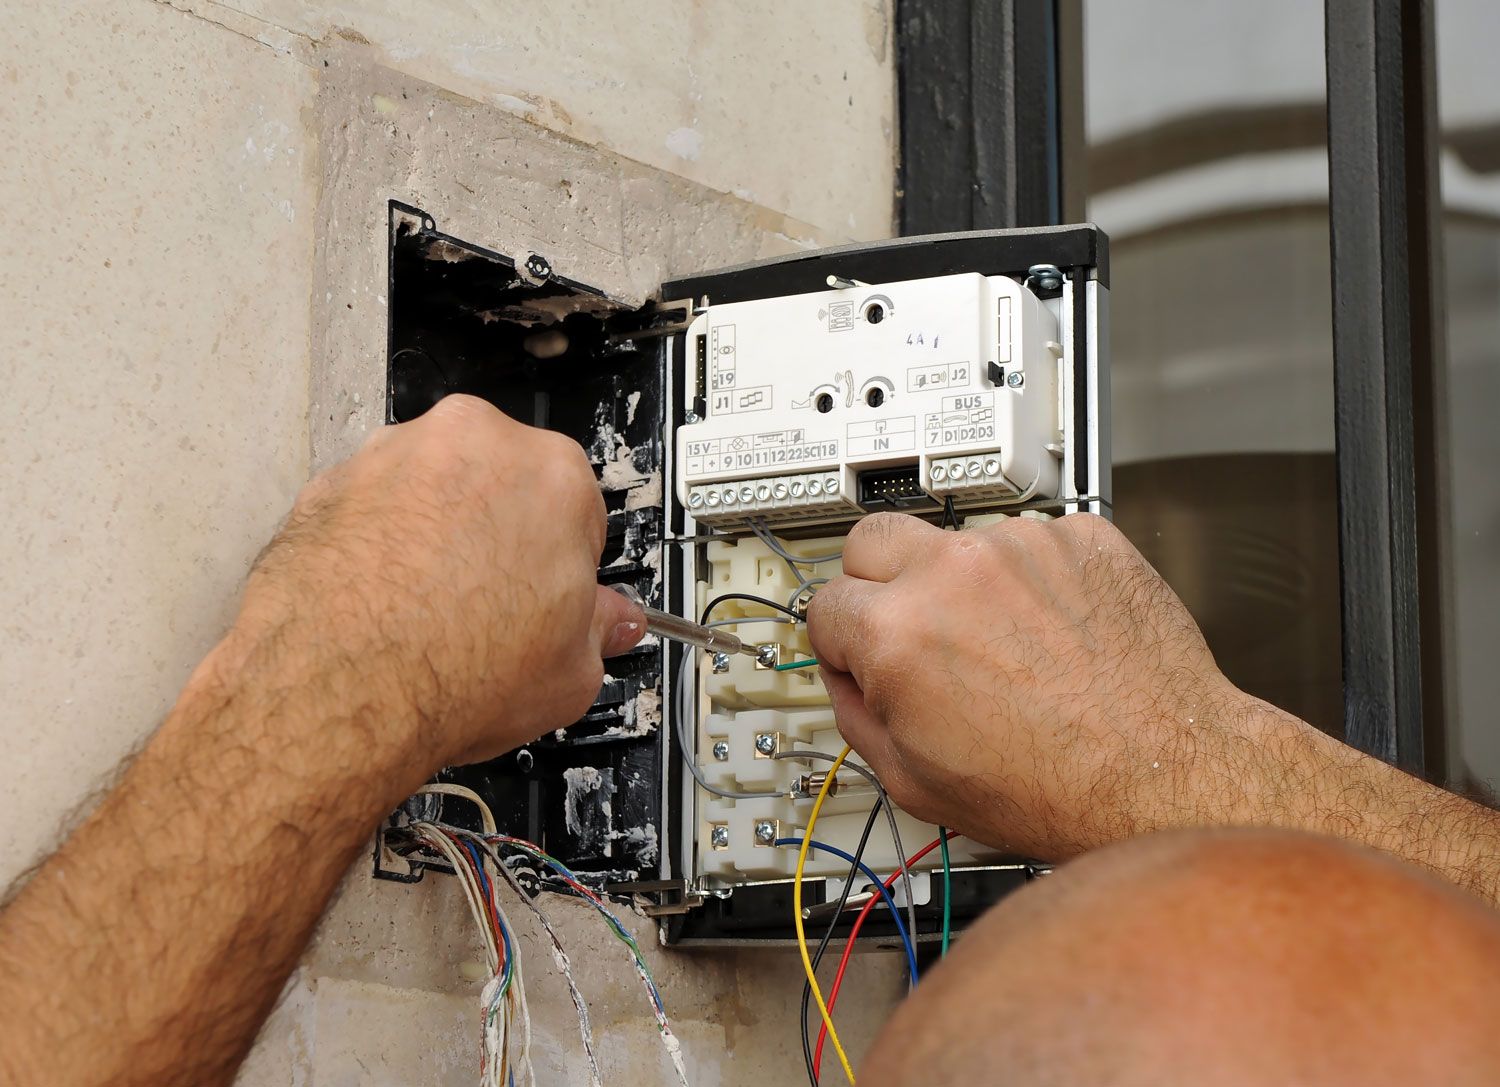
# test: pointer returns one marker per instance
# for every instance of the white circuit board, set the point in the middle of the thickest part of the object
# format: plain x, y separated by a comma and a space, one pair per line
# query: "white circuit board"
820, 406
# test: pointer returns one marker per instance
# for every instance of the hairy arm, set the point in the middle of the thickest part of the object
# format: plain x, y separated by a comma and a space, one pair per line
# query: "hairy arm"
1281, 772
380, 638
150, 947
1039, 687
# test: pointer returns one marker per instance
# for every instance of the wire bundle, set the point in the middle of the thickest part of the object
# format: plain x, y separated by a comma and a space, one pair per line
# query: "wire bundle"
827, 1030
476, 858
503, 999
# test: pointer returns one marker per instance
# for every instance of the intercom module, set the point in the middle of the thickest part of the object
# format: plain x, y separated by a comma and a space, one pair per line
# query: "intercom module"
739, 427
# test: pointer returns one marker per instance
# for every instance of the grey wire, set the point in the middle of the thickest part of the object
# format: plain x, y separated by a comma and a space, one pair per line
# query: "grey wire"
764, 536
890, 815
802, 586
753, 619
763, 533
687, 751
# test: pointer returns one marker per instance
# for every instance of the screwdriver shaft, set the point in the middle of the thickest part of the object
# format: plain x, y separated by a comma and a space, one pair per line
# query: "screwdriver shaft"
683, 630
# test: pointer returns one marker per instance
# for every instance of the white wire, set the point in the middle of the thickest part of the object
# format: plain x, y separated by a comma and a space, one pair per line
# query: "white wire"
518, 983
497, 1042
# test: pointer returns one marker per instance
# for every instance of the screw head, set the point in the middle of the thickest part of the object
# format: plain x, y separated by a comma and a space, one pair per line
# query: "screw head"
939, 473
992, 467
695, 499
721, 750
1044, 277
719, 837
691, 417
537, 265
721, 663
767, 655
765, 832
1015, 379
765, 743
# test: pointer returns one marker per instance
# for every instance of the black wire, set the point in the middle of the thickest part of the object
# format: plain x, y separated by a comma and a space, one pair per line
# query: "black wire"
716, 601
859, 855
950, 515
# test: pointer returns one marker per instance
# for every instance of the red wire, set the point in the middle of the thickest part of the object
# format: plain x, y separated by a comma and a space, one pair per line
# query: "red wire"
482, 880
838, 978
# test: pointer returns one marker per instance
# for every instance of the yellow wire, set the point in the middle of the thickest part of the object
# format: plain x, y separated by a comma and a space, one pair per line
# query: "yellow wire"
812, 977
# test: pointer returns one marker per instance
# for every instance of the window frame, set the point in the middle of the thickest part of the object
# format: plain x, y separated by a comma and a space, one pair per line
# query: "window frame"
990, 98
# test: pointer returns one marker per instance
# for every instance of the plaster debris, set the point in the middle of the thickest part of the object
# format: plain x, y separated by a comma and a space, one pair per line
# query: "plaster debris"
642, 839
646, 494
643, 713
586, 785
632, 402
621, 474
685, 143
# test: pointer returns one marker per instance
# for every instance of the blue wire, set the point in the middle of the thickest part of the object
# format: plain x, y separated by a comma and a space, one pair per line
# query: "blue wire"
911, 951
472, 850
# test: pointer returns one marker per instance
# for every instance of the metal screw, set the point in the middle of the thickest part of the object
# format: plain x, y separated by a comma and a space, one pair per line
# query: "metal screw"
695, 499
765, 832
939, 473
768, 655
719, 837
721, 663
721, 751
765, 743
691, 417
992, 467
1015, 379
1044, 277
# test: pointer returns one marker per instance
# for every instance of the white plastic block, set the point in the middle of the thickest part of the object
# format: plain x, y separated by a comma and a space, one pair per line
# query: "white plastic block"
813, 389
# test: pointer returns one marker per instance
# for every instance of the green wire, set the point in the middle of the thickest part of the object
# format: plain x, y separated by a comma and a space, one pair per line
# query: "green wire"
947, 886
789, 665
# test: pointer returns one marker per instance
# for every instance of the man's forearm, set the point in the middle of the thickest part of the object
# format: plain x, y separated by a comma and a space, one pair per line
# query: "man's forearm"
1257, 765
149, 948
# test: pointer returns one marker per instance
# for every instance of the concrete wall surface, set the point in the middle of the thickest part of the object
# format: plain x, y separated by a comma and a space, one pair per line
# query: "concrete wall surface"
194, 295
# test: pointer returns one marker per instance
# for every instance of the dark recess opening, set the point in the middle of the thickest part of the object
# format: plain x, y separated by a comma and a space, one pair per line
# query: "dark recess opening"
559, 355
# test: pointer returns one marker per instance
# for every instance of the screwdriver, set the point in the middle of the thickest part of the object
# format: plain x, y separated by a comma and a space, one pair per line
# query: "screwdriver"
714, 640
676, 628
